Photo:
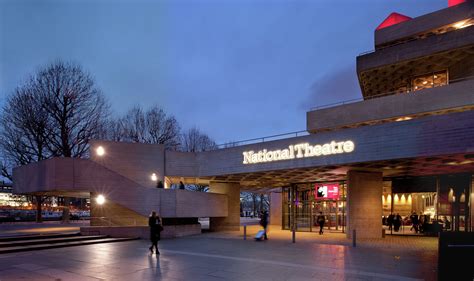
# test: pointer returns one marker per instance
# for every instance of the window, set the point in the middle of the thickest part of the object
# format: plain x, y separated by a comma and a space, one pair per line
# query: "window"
431, 80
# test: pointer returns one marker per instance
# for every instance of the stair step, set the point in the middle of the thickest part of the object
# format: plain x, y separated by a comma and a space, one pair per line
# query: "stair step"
63, 244
38, 236
49, 240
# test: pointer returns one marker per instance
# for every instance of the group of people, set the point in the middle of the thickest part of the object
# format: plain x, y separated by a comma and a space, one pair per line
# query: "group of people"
393, 221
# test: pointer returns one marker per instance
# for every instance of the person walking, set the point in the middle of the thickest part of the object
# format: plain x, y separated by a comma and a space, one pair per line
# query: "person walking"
264, 224
390, 221
155, 224
414, 222
321, 220
397, 222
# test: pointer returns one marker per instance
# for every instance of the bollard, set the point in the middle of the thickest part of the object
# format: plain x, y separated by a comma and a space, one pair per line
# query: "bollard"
293, 236
353, 238
383, 233
245, 232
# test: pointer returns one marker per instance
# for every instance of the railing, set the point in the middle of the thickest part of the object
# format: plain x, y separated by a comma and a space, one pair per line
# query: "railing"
263, 139
384, 94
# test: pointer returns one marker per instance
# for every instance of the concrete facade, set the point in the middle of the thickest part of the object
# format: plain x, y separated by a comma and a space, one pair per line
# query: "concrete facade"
364, 202
232, 220
276, 214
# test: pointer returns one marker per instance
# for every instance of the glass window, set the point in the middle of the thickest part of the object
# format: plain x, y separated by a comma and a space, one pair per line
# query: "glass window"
431, 80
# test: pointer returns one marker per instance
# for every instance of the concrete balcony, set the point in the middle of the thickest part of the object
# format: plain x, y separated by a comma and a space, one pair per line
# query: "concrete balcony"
451, 98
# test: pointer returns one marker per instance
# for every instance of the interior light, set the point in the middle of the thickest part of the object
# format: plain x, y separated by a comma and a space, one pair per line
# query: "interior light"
100, 151
436, 76
100, 199
154, 177
425, 82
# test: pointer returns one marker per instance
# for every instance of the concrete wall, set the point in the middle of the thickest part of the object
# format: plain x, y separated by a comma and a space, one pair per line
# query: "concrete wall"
421, 137
64, 175
424, 23
364, 204
135, 161
276, 208
416, 49
232, 220
454, 96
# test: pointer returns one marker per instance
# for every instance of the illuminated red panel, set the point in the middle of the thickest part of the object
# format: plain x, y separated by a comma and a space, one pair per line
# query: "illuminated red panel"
392, 19
455, 2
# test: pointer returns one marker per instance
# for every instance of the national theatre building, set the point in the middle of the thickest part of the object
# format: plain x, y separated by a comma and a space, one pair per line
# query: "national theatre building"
406, 146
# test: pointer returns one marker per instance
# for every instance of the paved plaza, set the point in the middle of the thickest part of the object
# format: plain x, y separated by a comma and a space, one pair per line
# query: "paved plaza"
226, 256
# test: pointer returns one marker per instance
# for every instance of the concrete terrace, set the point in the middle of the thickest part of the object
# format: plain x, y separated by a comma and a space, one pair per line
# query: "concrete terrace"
226, 256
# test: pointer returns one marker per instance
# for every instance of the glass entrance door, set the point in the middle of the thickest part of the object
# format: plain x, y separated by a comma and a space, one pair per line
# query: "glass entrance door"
333, 210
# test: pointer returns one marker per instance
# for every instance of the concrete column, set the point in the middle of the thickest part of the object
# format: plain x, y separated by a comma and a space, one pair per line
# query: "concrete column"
232, 221
364, 201
275, 208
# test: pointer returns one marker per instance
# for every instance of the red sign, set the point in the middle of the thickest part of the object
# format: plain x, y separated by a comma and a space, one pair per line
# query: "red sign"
327, 191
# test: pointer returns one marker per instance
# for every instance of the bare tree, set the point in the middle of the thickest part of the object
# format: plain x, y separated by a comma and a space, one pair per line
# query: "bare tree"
54, 113
76, 108
150, 126
196, 141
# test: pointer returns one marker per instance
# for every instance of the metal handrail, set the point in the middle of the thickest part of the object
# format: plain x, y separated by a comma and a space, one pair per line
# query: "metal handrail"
262, 139
383, 95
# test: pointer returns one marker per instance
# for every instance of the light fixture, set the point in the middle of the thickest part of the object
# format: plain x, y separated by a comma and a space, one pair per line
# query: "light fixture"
100, 199
436, 76
100, 151
154, 177
425, 82
462, 199
462, 24
404, 118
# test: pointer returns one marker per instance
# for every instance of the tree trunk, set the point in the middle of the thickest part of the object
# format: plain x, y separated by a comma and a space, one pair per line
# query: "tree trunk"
65, 218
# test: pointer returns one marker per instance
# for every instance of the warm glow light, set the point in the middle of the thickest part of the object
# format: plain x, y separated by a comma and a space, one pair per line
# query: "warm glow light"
100, 199
395, 198
100, 151
405, 118
403, 199
462, 24
301, 150
409, 199
154, 177
462, 199
389, 199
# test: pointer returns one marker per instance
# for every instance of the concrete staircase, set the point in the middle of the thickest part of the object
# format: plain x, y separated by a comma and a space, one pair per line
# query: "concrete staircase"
50, 241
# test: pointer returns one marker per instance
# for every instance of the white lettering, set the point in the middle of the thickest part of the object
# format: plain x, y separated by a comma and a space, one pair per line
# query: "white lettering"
301, 150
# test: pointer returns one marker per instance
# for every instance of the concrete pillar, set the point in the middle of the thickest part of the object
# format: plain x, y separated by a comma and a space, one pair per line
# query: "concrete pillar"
232, 221
364, 201
275, 208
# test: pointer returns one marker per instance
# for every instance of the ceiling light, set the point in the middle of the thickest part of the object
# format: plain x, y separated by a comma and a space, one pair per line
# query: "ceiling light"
462, 24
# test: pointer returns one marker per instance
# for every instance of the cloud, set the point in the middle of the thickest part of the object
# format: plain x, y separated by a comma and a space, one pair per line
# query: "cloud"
336, 86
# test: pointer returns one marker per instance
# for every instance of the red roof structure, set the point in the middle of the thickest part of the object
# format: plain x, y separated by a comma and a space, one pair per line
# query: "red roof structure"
394, 18
455, 2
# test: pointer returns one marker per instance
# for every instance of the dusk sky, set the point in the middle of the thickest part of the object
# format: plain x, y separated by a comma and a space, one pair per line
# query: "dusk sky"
235, 69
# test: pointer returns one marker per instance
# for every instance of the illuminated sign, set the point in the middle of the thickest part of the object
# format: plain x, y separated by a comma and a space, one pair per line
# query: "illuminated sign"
302, 150
327, 191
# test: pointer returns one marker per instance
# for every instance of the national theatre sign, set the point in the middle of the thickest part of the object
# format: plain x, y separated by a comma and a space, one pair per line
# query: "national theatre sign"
301, 150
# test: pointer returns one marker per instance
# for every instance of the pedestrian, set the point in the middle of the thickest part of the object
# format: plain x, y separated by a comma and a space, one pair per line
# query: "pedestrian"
321, 220
264, 224
181, 185
397, 222
155, 223
414, 222
390, 221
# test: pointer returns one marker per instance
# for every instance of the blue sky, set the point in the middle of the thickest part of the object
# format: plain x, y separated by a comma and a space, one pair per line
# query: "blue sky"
235, 69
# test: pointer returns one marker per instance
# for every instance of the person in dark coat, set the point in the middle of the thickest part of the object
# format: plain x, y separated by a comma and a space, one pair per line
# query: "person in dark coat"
181, 185
390, 219
154, 221
397, 222
321, 220
264, 224
414, 221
